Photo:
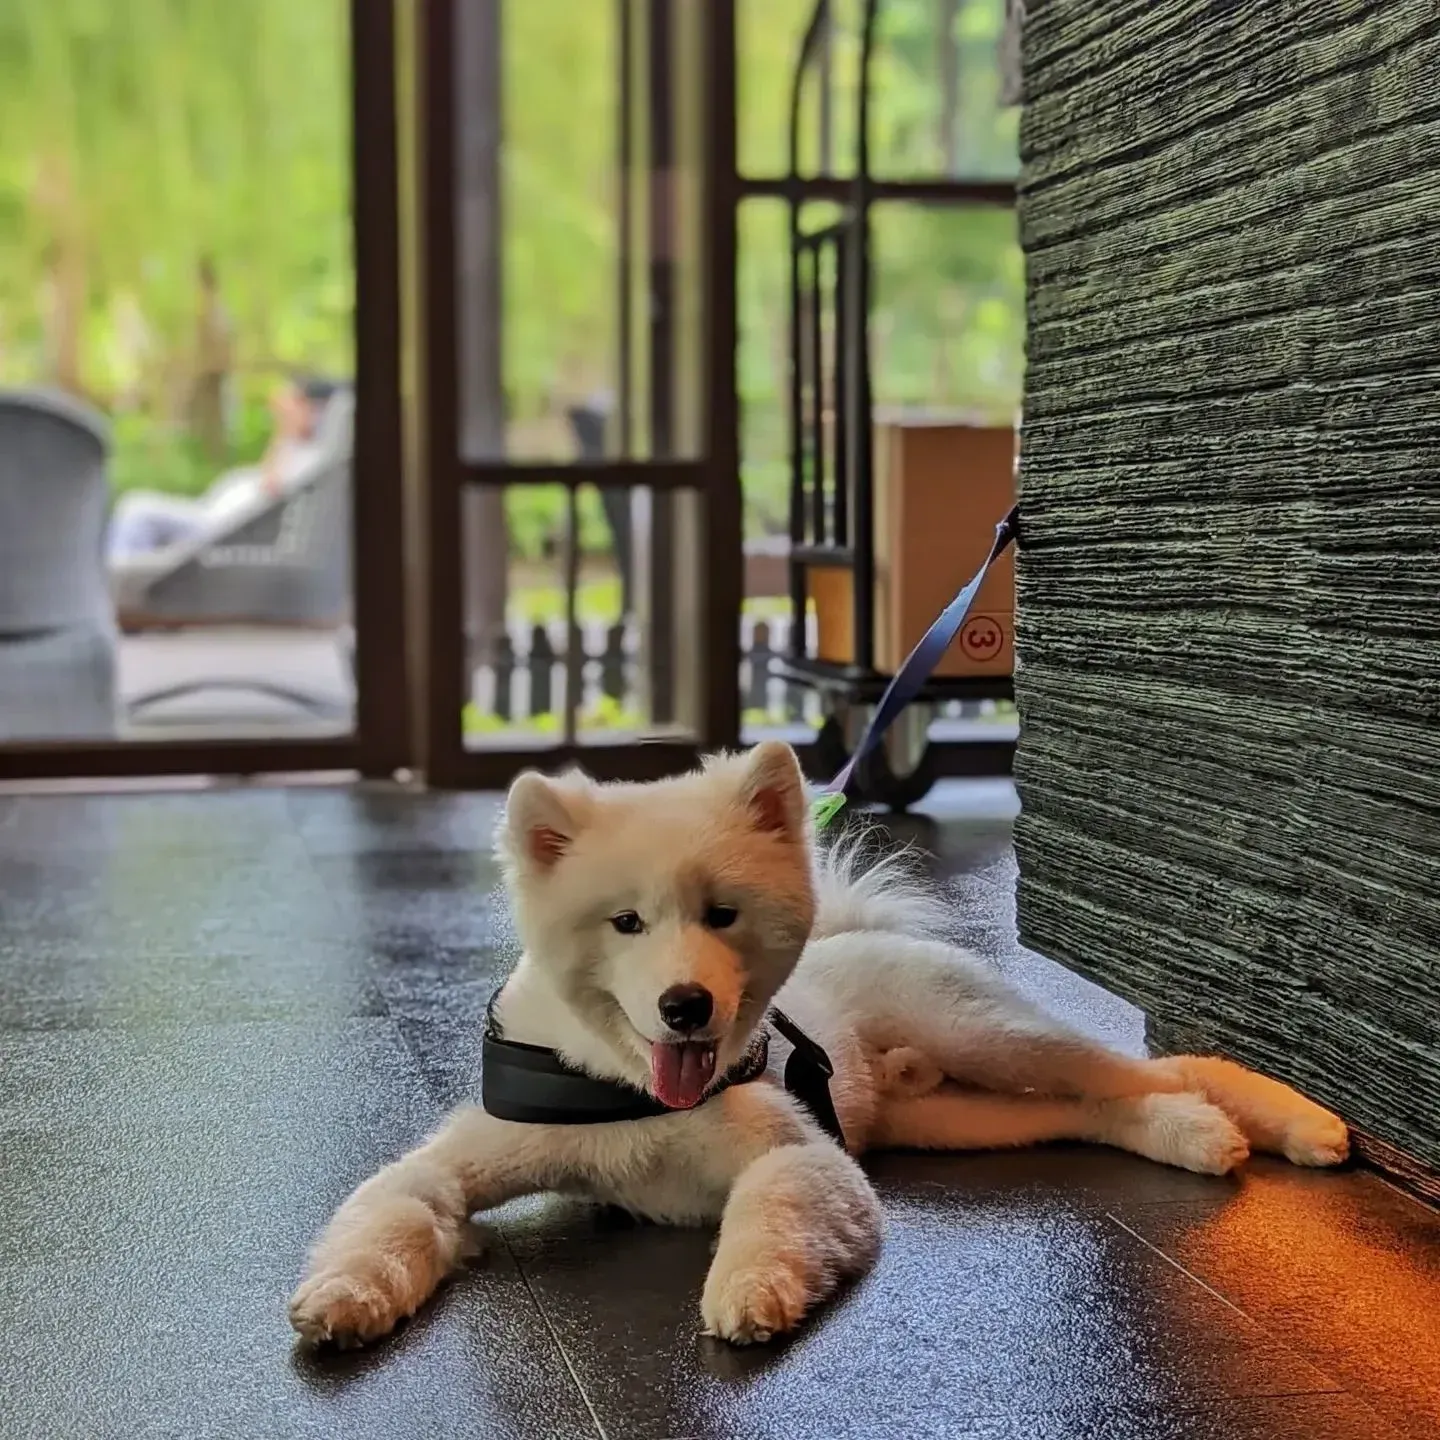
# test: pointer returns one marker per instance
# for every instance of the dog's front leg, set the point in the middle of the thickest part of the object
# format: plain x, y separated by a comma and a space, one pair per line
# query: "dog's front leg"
404, 1230
800, 1219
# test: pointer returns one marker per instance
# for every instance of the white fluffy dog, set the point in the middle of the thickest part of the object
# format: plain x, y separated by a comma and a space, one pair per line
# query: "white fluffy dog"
659, 922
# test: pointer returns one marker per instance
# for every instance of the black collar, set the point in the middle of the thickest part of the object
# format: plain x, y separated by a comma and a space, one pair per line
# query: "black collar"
532, 1085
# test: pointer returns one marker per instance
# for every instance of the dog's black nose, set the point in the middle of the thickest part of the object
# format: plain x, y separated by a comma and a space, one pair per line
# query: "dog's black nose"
685, 1008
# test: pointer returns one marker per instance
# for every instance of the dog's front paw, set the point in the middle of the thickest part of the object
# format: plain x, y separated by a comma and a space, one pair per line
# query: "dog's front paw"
383, 1271
345, 1310
751, 1306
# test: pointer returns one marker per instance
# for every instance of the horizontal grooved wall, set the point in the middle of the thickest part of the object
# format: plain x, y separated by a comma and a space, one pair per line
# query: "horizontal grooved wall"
1229, 591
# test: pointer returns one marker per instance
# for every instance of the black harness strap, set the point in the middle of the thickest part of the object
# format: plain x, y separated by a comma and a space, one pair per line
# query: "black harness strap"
532, 1085
808, 1073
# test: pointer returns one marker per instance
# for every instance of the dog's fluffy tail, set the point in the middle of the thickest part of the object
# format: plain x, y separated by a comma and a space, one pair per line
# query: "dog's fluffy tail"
856, 891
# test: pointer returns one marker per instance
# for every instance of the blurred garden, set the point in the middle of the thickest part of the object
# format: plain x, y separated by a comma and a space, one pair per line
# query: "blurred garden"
175, 235
174, 229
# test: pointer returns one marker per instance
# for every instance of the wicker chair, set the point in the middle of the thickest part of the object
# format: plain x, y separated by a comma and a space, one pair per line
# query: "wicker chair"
286, 563
57, 630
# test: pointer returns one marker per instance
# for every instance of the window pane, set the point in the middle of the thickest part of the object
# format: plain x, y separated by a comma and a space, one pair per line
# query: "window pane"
947, 332
935, 102
946, 335
949, 322
175, 270
621, 673
581, 243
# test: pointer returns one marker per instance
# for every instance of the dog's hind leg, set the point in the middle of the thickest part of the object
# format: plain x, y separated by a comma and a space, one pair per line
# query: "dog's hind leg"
404, 1230
978, 1028
1013, 1047
1181, 1130
1001, 1042
799, 1220
1274, 1117
980, 1031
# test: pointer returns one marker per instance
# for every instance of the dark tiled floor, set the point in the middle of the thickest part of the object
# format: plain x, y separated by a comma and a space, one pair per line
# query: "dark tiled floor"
220, 1011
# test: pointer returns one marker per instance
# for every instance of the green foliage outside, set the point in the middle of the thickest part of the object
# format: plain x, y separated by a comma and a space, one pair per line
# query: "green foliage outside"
139, 139
604, 713
144, 140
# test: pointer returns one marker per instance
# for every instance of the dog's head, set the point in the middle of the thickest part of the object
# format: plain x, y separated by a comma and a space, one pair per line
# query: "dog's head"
665, 916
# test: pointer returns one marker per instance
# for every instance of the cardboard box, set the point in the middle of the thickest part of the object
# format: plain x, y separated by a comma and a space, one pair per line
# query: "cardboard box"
941, 486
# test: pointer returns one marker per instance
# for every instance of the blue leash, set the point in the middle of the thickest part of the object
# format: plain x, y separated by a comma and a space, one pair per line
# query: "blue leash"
910, 678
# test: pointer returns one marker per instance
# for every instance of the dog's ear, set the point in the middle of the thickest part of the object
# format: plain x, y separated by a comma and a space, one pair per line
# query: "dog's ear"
773, 789
540, 819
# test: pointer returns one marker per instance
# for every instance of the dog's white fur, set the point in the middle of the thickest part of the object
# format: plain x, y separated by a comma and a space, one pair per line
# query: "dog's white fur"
931, 1050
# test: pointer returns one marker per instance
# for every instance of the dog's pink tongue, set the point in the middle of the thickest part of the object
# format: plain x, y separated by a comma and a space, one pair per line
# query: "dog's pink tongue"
680, 1073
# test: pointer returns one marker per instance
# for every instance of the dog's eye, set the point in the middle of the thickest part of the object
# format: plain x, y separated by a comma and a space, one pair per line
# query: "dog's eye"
721, 917
627, 922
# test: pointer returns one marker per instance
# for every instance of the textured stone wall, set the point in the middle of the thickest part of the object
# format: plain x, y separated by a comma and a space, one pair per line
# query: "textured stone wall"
1229, 593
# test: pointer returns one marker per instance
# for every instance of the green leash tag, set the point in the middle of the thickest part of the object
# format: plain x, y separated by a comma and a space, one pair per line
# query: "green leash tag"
824, 808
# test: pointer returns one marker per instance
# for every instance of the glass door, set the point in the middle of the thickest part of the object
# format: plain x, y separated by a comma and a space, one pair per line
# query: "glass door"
200, 500
570, 264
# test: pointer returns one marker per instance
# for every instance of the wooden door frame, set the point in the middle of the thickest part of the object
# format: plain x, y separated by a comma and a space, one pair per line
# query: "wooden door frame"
442, 473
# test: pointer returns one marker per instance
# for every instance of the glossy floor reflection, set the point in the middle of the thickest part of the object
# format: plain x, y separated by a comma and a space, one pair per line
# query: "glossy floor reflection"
219, 1011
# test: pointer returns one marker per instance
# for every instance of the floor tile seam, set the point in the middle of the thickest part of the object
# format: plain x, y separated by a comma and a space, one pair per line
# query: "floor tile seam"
158, 954
385, 852
90, 846
305, 1025
1426, 1207
1414, 1203
433, 1088
1335, 1385
194, 1020
1175, 1264
543, 1311
316, 869
420, 849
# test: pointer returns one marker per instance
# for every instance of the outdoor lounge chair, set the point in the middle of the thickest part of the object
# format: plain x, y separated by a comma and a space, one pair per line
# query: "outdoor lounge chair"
286, 563
57, 632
